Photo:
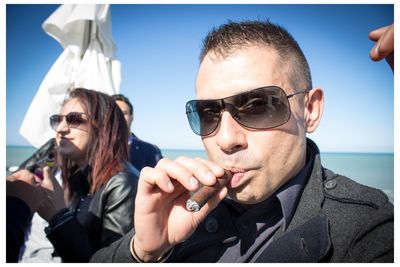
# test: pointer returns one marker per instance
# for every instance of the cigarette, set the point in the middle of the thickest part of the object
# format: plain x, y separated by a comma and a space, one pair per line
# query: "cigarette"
200, 198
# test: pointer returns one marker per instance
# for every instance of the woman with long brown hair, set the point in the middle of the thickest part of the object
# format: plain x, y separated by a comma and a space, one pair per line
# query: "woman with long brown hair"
95, 205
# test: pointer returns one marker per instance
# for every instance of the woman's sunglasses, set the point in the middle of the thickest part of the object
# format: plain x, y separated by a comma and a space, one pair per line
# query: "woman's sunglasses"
262, 108
73, 119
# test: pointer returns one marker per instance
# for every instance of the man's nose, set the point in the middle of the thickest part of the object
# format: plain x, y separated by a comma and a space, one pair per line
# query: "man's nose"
231, 136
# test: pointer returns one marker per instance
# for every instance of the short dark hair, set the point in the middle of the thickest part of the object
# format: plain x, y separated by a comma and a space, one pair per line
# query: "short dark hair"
232, 36
120, 97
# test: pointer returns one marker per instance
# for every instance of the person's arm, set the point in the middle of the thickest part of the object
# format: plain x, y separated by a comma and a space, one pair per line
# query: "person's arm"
24, 197
117, 213
67, 235
119, 251
69, 238
18, 218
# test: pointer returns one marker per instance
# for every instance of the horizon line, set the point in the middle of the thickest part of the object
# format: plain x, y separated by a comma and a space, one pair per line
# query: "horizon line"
202, 149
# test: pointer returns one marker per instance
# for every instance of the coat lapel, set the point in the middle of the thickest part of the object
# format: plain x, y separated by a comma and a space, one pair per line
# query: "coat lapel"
307, 238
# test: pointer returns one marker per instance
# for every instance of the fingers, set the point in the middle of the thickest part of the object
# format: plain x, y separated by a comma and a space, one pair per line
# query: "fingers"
206, 172
186, 171
150, 177
22, 175
211, 204
165, 173
217, 170
385, 42
376, 34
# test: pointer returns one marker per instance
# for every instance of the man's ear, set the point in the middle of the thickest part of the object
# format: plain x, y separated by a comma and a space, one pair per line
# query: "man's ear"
313, 109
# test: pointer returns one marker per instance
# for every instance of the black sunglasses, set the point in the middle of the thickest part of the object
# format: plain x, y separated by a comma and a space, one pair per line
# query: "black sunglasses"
262, 108
73, 119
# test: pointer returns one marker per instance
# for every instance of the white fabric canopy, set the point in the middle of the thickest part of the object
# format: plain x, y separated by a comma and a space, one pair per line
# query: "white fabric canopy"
87, 61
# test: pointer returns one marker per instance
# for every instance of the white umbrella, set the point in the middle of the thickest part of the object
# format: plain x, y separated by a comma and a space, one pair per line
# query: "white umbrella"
87, 61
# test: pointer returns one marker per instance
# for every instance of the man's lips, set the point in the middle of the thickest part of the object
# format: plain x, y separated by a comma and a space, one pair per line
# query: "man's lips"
236, 180
237, 175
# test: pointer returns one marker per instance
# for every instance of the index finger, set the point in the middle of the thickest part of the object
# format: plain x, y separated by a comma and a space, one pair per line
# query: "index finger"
376, 34
165, 171
205, 171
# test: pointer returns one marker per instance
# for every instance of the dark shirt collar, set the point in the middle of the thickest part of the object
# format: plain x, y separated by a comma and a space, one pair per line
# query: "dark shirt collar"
289, 194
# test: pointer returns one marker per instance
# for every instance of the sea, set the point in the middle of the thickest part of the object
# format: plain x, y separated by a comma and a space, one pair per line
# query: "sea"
371, 169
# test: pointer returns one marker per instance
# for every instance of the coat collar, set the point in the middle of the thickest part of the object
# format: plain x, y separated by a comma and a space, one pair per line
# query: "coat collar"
307, 238
312, 198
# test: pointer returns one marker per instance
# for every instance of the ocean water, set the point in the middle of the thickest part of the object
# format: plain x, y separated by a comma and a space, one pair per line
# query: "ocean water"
371, 169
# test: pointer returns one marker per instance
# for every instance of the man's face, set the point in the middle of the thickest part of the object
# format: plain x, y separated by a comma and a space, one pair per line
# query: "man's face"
261, 160
126, 111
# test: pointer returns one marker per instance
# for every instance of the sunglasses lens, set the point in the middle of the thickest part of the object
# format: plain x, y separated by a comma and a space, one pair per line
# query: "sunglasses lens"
55, 120
74, 119
203, 116
262, 108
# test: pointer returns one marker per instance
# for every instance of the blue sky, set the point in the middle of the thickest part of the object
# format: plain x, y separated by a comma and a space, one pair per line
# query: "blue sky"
158, 46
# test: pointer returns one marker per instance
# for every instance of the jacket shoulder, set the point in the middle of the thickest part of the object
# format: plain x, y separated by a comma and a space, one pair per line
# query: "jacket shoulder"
343, 189
359, 216
124, 181
145, 145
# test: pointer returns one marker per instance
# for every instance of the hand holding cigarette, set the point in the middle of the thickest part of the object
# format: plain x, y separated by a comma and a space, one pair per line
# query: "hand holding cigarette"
161, 221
